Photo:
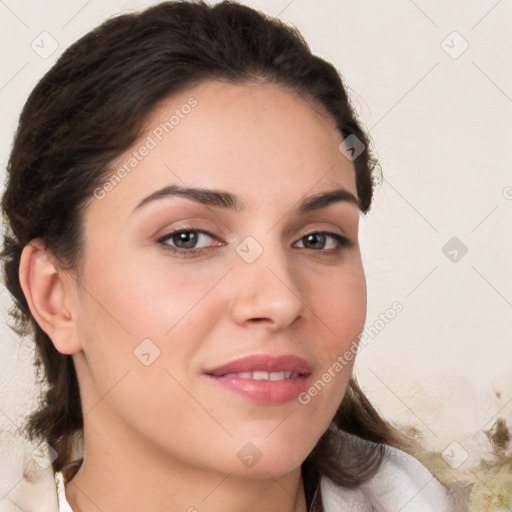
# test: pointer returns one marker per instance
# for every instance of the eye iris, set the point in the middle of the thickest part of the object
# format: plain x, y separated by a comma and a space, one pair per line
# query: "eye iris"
188, 238
317, 240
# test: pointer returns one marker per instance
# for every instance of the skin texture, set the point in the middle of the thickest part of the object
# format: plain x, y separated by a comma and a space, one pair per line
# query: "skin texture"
164, 436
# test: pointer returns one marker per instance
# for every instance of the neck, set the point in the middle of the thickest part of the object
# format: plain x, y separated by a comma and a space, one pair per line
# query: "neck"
116, 479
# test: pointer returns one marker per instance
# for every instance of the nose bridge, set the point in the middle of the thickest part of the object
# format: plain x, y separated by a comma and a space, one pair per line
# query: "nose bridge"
266, 286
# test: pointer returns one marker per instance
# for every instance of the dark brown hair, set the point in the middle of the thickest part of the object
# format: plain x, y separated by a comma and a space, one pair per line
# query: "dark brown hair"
90, 107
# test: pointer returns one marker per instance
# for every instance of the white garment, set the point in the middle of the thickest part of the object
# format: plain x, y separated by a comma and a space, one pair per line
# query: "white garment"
63, 502
402, 484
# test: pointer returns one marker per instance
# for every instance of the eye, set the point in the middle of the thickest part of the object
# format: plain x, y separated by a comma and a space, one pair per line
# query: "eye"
186, 241
322, 240
189, 242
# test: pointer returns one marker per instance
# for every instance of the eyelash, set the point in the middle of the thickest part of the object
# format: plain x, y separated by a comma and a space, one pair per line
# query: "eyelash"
343, 242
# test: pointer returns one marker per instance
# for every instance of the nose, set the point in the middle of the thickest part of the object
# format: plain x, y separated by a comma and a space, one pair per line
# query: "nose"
266, 290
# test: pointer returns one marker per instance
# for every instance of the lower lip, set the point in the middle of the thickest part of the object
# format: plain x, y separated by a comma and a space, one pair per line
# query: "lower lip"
265, 391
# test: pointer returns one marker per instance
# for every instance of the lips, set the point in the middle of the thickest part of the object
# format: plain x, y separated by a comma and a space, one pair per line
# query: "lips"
263, 363
264, 379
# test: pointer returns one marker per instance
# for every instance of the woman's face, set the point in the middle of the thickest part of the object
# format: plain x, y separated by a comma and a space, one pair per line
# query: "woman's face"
204, 357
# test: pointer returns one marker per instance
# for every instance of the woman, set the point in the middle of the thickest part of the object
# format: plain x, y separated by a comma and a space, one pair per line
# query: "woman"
184, 195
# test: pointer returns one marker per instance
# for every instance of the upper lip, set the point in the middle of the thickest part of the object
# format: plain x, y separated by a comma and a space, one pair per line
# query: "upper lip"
264, 363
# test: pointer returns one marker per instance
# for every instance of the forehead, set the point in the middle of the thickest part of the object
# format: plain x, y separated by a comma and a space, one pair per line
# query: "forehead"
258, 114
264, 142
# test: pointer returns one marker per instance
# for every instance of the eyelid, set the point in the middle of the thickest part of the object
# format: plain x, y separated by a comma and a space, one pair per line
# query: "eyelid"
327, 230
185, 229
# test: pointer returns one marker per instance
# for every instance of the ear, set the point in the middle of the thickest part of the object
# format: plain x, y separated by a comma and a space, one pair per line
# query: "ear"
48, 291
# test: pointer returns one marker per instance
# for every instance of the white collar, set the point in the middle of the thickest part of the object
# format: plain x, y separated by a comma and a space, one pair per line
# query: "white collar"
64, 506
402, 484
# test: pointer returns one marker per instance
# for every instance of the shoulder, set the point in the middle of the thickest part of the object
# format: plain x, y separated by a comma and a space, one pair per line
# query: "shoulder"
402, 484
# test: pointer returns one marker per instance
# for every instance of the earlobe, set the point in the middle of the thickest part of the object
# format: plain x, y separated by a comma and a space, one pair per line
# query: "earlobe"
48, 295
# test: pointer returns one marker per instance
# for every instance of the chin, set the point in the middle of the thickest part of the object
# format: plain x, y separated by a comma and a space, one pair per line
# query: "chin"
271, 468
261, 458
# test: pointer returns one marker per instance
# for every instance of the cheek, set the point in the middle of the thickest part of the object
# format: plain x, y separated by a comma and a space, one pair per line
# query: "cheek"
144, 300
340, 308
132, 315
339, 302
128, 303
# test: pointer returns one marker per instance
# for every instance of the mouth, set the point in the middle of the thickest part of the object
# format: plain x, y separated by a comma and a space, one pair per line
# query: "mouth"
288, 374
263, 378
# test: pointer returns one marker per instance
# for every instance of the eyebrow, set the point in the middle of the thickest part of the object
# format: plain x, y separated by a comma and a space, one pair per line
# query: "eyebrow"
229, 201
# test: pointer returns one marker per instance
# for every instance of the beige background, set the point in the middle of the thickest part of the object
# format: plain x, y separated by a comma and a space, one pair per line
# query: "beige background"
440, 122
